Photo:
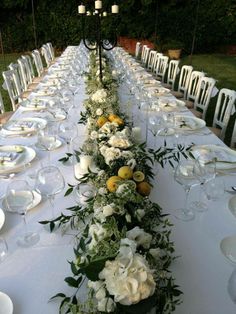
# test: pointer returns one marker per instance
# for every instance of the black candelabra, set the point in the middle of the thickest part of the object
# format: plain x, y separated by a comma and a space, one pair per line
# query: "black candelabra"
92, 29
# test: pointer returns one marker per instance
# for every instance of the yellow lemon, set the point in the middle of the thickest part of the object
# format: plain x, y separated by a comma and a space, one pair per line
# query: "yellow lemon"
125, 172
119, 121
112, 183
144, 188
112, 117
138, 176
101, 121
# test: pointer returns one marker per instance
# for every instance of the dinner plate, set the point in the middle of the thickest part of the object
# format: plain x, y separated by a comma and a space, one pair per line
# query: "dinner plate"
232, 205
37, 199
171, 105
228, 248
225, 157
25, 156
23, 126
33, 104
6, 305
188, 123
2, 218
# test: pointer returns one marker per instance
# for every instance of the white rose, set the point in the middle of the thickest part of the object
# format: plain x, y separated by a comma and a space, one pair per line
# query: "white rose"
140, 236
102, 191
108, 210
132, 163
118, 141
106, 305
94, 135
99, 112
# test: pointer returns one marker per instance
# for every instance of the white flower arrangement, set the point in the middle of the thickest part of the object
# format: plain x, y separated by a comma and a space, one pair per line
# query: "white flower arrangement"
99, 96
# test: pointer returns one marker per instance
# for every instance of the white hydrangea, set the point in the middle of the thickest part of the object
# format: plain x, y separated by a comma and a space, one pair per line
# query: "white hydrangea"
94, 135
97, 232
110, 153
119, 141
99, 96
102, 191
99, 112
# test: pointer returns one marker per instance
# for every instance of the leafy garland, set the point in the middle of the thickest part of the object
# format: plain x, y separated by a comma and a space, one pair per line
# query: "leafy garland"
124, 249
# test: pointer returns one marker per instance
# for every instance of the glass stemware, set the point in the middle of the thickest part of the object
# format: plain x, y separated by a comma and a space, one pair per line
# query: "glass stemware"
67, 130
184, 175
49, 182
19, 198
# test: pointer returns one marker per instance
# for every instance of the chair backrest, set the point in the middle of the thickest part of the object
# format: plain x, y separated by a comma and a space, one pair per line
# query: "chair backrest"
151, 59
146, 55
204, 94
161, 67
2, 109
172, 72
16, 68
38, 62
154, 65
30, 67
223, 110
184, 79
138, 49
12, 83
25, 73
194, 85
51, 51
233, 137
143, 52
46, 54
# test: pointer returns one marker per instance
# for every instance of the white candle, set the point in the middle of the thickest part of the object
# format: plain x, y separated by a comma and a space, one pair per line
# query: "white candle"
98, 4
81, 9
88, 13
85, 162
105, 13
136, 134
114, 9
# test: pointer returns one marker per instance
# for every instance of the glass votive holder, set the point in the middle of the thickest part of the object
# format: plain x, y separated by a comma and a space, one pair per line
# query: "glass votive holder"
3, 249
215, 189
84, 192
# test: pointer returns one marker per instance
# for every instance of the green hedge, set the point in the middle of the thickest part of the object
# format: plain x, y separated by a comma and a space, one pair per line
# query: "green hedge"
59, 23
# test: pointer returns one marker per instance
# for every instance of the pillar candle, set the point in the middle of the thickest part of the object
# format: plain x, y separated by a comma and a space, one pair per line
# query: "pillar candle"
98, 4
81, 9
104, 13
114, 9
85, 162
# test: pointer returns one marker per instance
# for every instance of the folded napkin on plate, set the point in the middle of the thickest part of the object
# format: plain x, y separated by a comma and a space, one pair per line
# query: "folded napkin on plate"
214, 155
8, 158
168, 104
22, 126
187, 124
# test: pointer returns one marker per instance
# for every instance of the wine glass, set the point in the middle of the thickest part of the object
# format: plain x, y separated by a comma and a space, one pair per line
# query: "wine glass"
204, 171
19, 198
184, 175
49, 182
67, 130
83, 192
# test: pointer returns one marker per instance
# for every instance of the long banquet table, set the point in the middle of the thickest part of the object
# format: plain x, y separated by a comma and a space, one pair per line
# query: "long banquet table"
31, 276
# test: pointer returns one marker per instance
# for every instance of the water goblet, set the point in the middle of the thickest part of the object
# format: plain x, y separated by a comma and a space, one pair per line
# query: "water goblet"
49, 182
67, 130
19, 198
84, 192
184, 175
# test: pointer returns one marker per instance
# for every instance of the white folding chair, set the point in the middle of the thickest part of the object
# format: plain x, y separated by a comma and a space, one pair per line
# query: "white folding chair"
145, 56
51, 51
154, 65
143, 53
12, 84
38, 62
46, 54
151, 59
4, 116
184, 79
138, 49
223, 110
30, 69
172, 73
16, 68
161, 67
203, 97
193, 88
233, 137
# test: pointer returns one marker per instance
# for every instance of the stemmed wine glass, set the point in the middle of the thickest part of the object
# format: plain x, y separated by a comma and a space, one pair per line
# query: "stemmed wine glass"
67, 130
155, 125
204, 171
19, 198
184, 175
49, 182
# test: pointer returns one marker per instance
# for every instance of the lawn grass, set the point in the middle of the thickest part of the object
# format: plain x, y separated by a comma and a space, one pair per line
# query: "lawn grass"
4, 62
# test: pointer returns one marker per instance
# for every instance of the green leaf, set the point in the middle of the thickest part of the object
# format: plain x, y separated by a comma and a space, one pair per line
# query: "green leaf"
72, 282
58, 295
69, 191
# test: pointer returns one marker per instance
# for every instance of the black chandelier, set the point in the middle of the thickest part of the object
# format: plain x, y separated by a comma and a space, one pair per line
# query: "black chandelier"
92, 36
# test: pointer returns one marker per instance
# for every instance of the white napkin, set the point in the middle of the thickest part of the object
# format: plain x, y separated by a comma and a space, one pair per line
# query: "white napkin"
8, 158
22, 126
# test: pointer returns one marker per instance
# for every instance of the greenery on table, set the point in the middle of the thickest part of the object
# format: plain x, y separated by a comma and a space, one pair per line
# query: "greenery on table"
121, 232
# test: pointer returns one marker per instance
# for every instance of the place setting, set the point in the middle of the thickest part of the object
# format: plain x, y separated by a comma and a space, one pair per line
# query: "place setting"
22, 127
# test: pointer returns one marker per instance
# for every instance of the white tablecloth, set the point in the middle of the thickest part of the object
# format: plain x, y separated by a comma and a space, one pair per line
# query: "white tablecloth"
31, 276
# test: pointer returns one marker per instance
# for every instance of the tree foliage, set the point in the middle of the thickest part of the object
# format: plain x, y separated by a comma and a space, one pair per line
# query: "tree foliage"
152, 19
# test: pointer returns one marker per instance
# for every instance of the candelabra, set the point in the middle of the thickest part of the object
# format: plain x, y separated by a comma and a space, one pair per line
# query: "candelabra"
94, 41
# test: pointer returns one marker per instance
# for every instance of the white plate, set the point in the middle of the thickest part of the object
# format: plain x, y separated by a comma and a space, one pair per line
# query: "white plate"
38, 123
37, 199
232, 205
57, 144
226, 157
228, 248
2, 218
172, 105
34, 104
6, 305
25, 157
188, 123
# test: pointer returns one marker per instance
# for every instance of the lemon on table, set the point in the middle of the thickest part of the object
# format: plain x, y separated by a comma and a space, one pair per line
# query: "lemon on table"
101, 121
144, 188
112, 117
125, 172
112, 183
138, 176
